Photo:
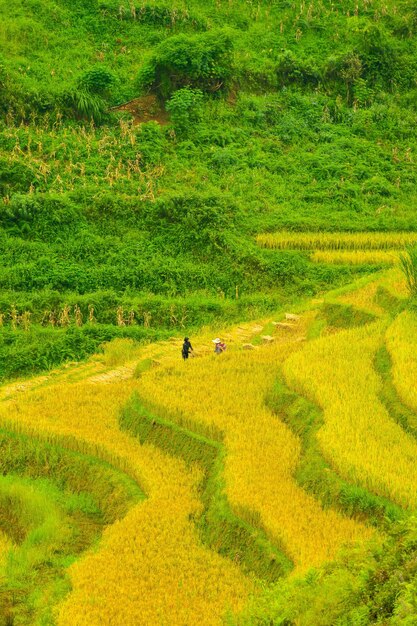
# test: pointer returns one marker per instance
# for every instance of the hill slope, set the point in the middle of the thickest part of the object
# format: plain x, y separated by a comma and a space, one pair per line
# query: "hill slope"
281, 115
245, 477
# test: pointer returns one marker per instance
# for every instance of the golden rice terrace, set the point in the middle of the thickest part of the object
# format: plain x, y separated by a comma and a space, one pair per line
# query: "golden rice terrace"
142, 489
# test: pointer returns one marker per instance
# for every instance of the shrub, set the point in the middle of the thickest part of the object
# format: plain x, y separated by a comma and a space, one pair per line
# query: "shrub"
152, 143
14, 177
40, 213
185, 108
408, 262
378, 186
380, 57
88, 99
193, 220
202, 61
97, 80
86, 105
292, 70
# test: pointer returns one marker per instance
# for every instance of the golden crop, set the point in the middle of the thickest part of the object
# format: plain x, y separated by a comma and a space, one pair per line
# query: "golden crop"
5, 545
401, 339
356, 257
336, 241
227, 393
365, 296
359, 438
151, 567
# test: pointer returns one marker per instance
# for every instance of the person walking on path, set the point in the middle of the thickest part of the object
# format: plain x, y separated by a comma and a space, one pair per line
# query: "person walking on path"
219, 346
186, 348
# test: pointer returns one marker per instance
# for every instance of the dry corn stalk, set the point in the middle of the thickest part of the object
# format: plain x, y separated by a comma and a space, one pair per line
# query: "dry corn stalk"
25, 320
120, 316
52, 318
147, 316
78, 315
14, 318
64, 316
91, 317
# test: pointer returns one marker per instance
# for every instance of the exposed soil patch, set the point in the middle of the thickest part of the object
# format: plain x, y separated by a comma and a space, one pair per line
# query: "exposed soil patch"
145, 109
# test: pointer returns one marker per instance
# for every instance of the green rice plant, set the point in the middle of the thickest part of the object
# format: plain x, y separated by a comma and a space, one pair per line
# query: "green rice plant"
53, 505
408, 264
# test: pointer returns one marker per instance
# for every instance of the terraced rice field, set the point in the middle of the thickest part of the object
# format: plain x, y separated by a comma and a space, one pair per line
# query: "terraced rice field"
356, 257
361, 248
337, 373
146, 490
365, 241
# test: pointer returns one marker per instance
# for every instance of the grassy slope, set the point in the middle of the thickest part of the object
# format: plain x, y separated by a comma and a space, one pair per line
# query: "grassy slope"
315, 129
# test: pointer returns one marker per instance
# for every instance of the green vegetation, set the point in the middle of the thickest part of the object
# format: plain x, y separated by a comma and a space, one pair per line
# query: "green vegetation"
373, 587
143, 148
54, 504
409, 267
282, 116
402, 414
341, 316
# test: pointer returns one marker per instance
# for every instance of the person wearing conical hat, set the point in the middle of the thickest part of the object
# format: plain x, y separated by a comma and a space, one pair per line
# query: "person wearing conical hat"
219, 346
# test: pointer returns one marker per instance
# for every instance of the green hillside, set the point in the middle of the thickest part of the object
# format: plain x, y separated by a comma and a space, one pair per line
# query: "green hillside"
241, 118
236, 168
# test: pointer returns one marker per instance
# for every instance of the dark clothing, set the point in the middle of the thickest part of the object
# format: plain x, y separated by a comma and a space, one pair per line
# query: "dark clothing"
186, 347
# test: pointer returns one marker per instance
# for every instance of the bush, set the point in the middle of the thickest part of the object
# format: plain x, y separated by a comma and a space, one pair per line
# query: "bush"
193, 221
185, 108
46, 214
201, 61
85, 105
292, 70
380, 56
88, 98
152, 143
15, 177
378, 186
408, 262
97, 80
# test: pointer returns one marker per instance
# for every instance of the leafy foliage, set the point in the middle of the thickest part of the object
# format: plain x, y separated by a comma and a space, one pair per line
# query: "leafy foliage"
199, 61
143, 146
97, 80
409, 267
185, 108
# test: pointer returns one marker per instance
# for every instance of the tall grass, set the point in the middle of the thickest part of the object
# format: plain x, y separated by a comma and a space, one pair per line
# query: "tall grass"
336, 240
408, 263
